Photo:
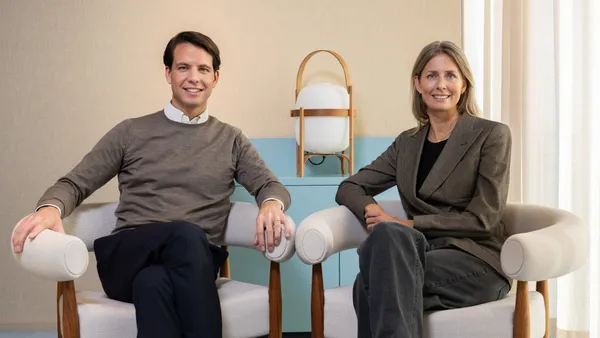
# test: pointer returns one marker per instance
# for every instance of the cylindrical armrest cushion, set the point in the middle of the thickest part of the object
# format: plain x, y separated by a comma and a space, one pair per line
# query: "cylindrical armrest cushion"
393, 208
241, 229
53, 256
327, 232
547, 253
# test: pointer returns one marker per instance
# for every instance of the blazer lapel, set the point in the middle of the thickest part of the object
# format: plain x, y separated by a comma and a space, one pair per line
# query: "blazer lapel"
457, 145
411, 156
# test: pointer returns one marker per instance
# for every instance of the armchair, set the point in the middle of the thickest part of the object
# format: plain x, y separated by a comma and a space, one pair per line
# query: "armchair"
248, 310
544, 243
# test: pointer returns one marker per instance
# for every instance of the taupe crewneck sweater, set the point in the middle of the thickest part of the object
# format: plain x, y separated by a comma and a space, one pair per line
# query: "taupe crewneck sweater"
169, 171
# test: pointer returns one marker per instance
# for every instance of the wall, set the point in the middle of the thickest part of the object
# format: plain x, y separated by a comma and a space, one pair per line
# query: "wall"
72, 70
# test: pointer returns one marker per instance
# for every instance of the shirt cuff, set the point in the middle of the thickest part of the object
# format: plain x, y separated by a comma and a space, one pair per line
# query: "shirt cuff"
274, 199
49, 205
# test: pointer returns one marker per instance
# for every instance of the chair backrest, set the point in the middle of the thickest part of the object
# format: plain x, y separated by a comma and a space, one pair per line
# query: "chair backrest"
519, 218
90, 221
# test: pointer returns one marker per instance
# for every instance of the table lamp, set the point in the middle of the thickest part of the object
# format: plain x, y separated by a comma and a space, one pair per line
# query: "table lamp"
324, 115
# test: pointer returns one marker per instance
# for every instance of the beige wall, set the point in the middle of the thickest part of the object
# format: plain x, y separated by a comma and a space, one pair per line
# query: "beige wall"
71, 70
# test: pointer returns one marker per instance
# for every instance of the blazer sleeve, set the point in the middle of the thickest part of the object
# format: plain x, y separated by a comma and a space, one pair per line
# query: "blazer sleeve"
358, 190
490, 195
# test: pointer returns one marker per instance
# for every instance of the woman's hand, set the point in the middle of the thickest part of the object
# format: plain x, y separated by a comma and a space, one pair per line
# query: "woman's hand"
375, 214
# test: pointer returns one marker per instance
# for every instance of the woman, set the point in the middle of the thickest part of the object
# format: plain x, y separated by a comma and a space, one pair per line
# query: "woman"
452, 173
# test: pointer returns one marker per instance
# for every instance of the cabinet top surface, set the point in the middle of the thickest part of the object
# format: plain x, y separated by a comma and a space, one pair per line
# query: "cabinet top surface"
290, 181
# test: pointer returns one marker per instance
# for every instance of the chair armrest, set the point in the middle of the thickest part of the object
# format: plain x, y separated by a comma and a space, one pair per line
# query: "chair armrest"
549, 252
393, 208
53, 256
328, 232
332, 230
241, 229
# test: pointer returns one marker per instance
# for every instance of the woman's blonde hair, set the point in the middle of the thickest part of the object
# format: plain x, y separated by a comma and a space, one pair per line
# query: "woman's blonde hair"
466, 103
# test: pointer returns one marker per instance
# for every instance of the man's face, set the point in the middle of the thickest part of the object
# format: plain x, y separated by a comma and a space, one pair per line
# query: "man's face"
192, 78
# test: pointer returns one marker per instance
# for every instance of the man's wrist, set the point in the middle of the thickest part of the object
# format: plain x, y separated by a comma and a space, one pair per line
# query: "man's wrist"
49, 206
274, 200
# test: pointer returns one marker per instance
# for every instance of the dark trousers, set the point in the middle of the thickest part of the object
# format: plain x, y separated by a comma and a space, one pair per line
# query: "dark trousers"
402, 275
168, 271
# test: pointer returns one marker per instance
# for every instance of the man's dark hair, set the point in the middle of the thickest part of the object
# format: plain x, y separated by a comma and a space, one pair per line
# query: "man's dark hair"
197, 39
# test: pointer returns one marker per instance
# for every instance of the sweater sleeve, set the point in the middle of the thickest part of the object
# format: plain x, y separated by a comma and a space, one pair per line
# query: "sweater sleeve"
358, 190
254, 175
96, 168
485, 209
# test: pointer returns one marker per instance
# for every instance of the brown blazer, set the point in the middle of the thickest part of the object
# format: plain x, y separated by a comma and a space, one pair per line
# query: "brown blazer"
462, 199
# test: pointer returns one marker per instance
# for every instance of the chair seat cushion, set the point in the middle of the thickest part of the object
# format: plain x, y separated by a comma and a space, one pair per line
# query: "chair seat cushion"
244, 307
490, 320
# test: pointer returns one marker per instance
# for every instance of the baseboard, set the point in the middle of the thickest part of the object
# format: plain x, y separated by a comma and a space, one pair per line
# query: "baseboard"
552, 327
31, 327
28, 326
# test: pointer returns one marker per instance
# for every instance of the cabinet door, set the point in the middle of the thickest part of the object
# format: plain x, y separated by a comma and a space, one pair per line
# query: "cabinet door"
250, 266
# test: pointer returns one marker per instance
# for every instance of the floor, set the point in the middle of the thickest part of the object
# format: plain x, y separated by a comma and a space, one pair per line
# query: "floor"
50, 334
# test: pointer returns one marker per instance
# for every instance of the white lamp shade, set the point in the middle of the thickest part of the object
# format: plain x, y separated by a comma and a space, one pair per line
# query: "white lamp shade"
324, 134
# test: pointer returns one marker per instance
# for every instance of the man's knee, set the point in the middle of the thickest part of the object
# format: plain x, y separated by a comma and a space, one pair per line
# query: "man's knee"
188, 246
151, 281
188, 233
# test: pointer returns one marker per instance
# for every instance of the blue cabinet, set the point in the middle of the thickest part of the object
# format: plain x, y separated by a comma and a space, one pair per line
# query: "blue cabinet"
248, 265
310, 194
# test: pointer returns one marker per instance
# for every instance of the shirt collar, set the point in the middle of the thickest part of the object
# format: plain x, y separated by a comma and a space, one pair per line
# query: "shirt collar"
177, 115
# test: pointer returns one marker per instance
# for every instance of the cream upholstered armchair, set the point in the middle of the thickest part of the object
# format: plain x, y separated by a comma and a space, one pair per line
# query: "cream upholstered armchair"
545, 243
248, 310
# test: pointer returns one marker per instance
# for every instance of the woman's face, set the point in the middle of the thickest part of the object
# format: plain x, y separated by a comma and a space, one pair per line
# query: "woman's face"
441, 85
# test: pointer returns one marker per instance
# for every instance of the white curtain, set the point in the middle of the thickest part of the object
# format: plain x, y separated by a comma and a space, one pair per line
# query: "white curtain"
538, 62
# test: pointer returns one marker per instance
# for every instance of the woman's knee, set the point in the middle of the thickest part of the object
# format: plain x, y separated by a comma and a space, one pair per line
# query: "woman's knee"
393, 236
390, 231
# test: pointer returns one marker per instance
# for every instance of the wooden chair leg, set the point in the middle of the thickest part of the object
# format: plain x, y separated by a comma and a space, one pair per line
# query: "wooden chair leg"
225, 269
521, 320
542, 287
317, 303
69, 320
275, 317
59, 293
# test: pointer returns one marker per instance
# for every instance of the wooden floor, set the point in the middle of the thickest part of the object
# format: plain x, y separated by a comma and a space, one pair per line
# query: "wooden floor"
52, 334
294, 335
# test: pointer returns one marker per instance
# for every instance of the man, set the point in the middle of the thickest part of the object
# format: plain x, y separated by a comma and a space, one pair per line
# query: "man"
176, 170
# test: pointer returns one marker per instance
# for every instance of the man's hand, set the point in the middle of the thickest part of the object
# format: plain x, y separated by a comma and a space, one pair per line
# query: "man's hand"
374, 214
270, 219
32, 225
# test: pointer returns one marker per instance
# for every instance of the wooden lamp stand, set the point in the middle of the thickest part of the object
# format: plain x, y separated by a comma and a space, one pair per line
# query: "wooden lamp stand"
346, 156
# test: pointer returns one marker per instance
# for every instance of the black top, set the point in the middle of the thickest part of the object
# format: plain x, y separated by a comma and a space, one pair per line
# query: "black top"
430, 154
